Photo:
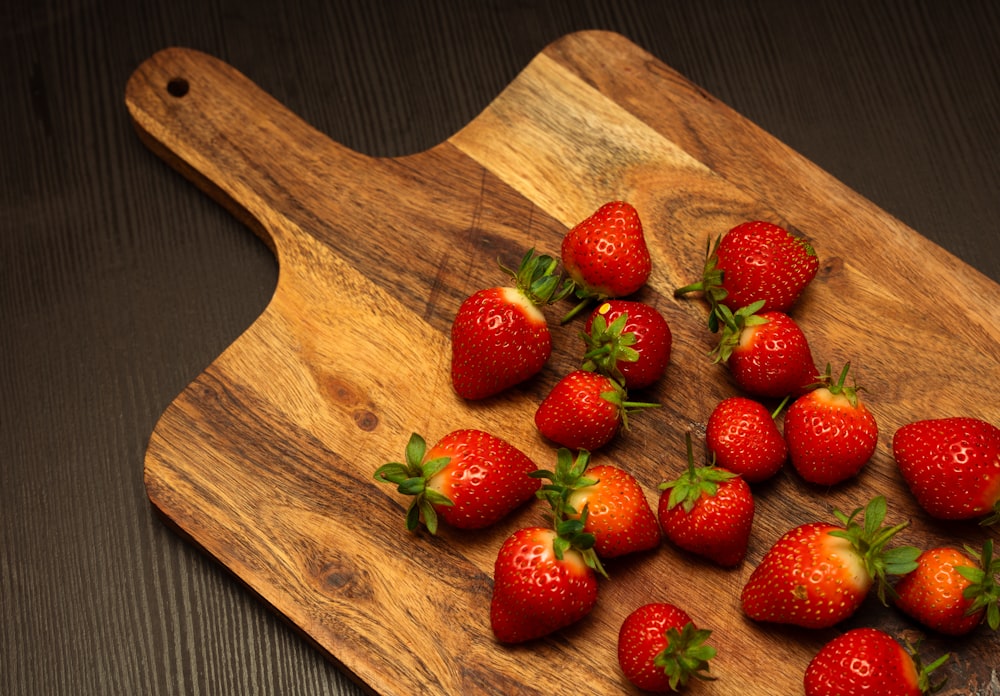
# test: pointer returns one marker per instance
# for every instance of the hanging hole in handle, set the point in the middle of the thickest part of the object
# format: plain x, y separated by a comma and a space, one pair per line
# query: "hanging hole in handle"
178, 87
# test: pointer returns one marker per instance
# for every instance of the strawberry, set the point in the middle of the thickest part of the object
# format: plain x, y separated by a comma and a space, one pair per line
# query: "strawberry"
756, 261
818, 574
707, 511
831, 434
628, 341
606, 254
865, 662
470, 479
952, 466
499, 337
744, 438
585, 410
952, 592
660, 648
618, 514
543, 580
767, 352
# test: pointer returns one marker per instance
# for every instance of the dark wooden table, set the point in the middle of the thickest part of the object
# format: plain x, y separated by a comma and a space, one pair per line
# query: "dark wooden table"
120, 281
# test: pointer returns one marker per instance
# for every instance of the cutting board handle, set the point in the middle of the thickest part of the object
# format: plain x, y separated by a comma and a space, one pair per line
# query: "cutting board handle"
185, 104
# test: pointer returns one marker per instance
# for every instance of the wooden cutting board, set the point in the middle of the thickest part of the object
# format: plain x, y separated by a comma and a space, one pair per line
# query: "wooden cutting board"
265, 461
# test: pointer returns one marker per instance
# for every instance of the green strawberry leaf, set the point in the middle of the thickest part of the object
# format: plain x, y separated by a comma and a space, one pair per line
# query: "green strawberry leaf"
732, 325
869, 542
570, 534
416, 447
607, 345
567, 478
424, 509
983, 590
537, 280
686, 655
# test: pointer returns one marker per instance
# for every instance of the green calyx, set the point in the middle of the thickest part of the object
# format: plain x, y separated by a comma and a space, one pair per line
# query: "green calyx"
569, 523
732, 324
686, 655
839, 387
984, 591
712, 276
607, 345
567, 478
411, 479
571, 534
536, 279
869, 541
697, 481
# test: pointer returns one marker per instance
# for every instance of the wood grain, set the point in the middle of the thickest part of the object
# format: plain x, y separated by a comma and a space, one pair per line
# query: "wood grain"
265, 461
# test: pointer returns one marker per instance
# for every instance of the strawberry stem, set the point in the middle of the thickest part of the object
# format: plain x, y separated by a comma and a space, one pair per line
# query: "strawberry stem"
618, 396
839, 386
696, 481
826, 381
585, 302
781, 406
625, 407
712, 277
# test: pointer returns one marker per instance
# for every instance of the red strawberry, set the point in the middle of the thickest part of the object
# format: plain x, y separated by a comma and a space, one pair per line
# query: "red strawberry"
767, 353
865, 662
470, 479
707, 511
606, 254
831, 434
627, 341
500, 337
818, 574
952, 466
618, 514
543, 580
756, 261
744, 438
584, 410
952, 592
660, 648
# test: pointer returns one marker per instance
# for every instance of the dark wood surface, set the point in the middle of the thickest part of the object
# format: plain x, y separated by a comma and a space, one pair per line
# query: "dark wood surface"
122, 282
